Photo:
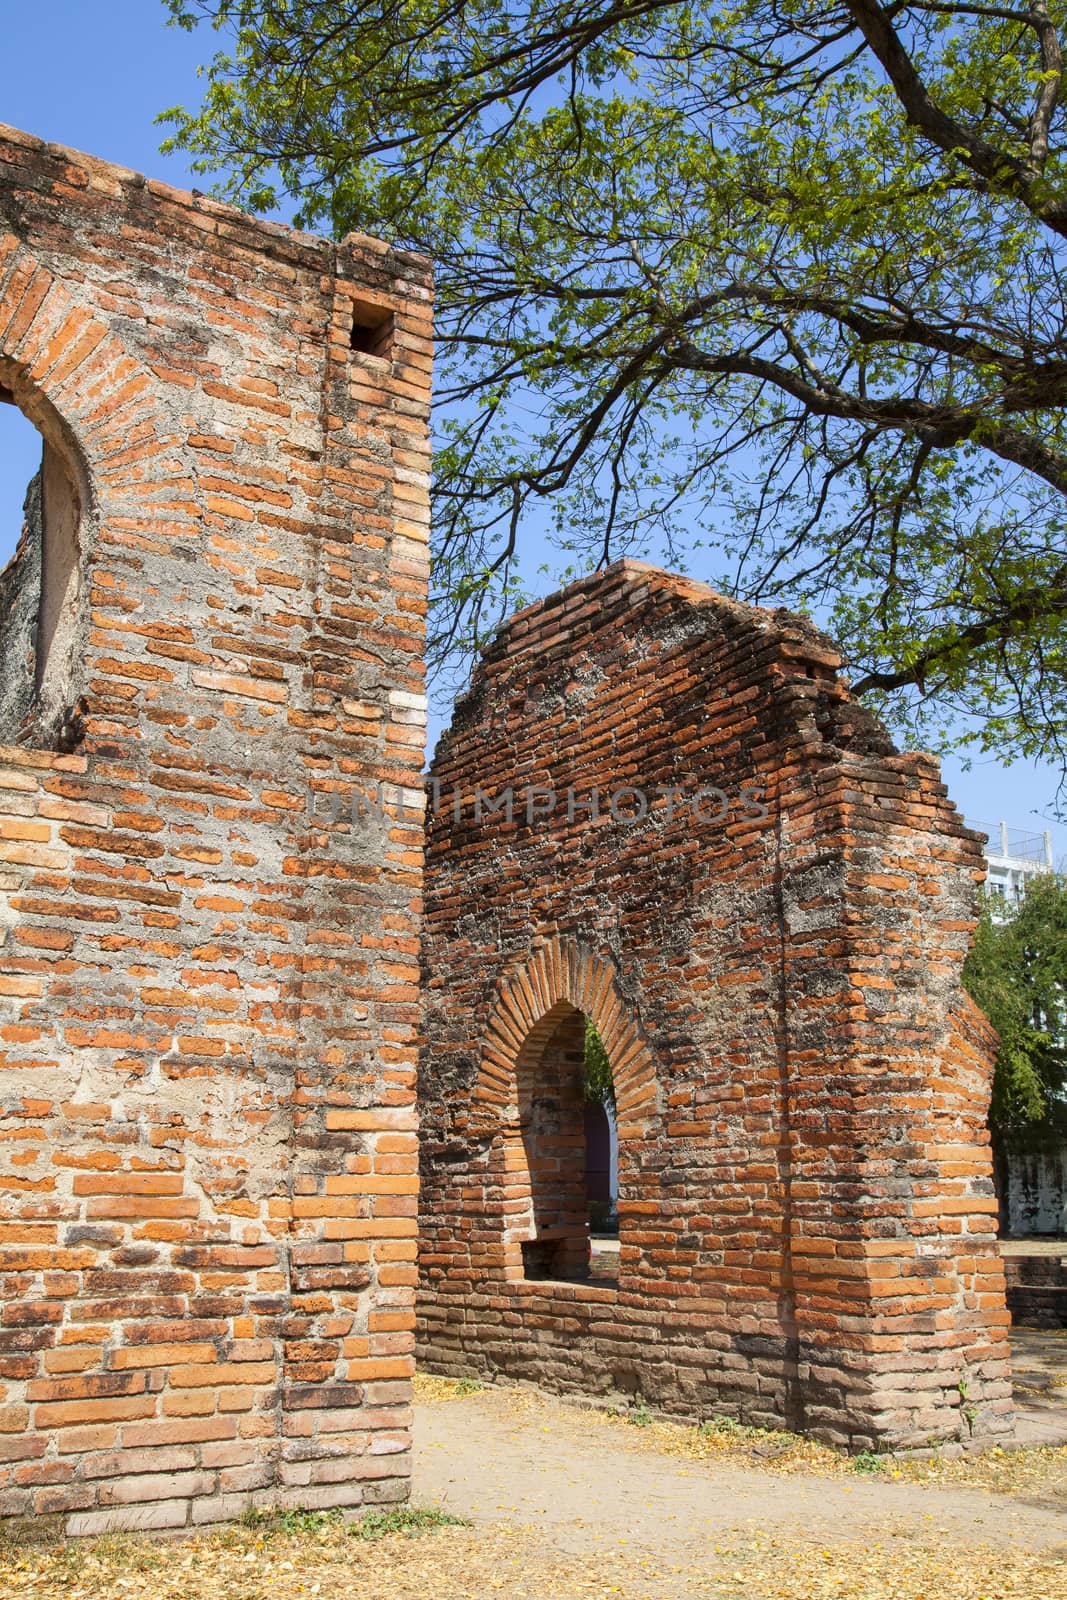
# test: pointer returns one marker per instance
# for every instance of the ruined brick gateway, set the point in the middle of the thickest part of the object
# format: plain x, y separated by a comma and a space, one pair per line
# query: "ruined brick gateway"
209, 997
807, 1220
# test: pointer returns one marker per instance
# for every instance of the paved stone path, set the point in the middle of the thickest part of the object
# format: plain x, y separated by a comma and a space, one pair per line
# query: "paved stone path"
1039, 1364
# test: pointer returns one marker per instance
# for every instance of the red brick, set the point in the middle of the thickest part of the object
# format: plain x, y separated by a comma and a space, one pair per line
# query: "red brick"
248, 567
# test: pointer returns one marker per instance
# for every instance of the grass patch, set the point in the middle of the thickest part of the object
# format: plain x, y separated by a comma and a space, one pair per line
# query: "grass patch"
431, 1389
297, 1521
327, 1559
409, 1520
373, 1524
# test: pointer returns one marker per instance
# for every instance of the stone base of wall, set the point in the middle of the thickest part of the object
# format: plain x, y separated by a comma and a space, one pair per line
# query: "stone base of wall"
600, 1342
1037, 1289
202, 1502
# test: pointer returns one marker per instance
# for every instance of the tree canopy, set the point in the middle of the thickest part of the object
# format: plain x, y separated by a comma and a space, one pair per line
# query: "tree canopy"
1017, 974
599, 1079
769, 288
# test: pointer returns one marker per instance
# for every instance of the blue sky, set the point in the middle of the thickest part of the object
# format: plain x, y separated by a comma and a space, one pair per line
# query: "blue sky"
96, 77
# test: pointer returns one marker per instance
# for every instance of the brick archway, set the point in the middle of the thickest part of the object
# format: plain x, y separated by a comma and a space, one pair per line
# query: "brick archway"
532, 1046
529, 1005
98, 410
77, 383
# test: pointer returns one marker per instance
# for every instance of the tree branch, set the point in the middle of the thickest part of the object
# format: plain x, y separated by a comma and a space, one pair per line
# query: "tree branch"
1002, 171
1049, 92
1003, 625
942, 426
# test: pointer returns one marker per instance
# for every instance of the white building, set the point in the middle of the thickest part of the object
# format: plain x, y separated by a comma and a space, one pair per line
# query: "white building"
1013, 856
1034, 1198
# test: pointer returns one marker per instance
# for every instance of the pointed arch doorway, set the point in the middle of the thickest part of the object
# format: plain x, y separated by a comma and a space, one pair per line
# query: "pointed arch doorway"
530, 1106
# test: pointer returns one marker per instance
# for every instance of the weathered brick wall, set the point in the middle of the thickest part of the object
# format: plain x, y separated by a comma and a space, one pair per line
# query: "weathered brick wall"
807, 1219
207, 1147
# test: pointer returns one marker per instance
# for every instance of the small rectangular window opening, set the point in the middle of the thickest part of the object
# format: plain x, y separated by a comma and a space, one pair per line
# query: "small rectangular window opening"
540, 1259
372, 330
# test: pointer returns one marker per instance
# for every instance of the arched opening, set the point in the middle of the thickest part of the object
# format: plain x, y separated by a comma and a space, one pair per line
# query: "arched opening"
40, 519
528, 1117
570, 1149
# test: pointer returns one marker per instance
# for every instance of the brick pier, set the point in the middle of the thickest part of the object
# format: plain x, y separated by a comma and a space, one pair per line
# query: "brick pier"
209, 997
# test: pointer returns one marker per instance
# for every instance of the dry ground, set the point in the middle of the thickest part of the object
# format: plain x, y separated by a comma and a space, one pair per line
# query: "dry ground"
567, 1502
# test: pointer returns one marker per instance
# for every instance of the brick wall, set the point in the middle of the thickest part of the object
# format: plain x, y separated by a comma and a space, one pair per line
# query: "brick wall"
807, 1218
209, 997
1036, 1287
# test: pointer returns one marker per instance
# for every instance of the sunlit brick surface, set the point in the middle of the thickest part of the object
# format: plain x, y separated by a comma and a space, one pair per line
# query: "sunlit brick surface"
207, 1146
